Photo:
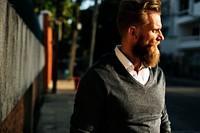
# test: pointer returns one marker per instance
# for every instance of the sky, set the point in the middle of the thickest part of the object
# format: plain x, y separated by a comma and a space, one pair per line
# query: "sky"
86, 4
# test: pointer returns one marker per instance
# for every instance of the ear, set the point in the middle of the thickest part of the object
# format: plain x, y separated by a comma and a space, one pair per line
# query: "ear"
133, 31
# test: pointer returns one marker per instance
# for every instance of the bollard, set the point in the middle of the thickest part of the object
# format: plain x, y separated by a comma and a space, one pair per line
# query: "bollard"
76, 81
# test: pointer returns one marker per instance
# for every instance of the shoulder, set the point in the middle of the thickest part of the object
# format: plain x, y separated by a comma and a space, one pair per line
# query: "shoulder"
104, 63
105, 59
94, 80
158, 72
101, 66
157, 69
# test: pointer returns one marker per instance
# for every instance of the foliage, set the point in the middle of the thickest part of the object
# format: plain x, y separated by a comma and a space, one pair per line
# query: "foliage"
62, 10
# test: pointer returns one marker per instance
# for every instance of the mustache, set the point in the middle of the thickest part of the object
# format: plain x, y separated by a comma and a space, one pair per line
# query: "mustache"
140, 48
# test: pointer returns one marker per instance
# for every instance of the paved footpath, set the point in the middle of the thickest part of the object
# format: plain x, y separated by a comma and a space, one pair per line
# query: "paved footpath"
57, 109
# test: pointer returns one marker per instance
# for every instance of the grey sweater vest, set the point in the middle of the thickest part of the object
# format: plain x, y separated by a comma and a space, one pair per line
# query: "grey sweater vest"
110, 100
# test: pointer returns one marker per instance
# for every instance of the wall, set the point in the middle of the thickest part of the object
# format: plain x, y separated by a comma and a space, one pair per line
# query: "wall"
22, 61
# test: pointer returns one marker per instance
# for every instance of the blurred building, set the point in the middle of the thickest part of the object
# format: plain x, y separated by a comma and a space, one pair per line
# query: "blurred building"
181, 28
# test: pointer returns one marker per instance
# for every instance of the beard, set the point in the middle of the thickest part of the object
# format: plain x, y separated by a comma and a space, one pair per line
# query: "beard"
147, 53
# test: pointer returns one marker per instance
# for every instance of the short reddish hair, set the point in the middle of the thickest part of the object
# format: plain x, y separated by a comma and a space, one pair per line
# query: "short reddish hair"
134, 12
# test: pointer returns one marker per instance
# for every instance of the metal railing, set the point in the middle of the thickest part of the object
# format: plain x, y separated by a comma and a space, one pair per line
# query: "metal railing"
189, 38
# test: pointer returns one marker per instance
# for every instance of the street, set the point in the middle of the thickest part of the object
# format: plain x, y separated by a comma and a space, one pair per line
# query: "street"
183, 103
182, 99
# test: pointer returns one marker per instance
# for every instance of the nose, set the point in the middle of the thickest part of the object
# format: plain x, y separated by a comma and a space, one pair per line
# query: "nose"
161, 36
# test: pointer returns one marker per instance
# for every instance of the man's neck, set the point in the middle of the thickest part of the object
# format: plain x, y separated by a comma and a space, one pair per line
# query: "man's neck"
136, 62
137, 65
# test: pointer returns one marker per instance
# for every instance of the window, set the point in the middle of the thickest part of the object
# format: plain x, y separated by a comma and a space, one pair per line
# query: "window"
183, 7
195, 31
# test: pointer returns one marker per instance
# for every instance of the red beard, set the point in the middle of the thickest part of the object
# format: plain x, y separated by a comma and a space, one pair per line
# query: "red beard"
147, 53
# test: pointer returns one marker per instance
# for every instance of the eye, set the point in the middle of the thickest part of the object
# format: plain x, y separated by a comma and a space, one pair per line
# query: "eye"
155, 30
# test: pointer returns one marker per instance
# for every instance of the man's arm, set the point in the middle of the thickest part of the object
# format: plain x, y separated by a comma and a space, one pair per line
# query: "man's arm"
89, 104
165, 123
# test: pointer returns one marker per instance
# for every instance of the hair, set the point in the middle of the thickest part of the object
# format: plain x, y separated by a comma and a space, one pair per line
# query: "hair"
134, 12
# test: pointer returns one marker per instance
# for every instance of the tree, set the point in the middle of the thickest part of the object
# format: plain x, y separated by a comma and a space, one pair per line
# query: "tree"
74, 42
94, 26
61, 10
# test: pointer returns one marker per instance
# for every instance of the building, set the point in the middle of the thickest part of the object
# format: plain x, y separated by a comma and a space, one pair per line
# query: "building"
181, 27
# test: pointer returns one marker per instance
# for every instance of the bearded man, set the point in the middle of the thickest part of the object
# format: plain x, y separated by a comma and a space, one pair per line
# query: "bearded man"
124, 92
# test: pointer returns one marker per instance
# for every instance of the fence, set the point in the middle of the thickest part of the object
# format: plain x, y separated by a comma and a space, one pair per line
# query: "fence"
22, 60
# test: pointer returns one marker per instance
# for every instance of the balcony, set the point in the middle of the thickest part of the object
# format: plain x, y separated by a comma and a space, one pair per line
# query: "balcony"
189, 42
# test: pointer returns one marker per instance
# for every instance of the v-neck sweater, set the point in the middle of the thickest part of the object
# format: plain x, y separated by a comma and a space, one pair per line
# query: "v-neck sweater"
110, 100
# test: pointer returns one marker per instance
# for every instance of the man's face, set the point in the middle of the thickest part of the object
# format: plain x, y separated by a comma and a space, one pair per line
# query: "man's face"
150, 37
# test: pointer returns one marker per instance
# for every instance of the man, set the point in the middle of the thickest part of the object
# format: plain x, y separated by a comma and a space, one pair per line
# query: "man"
124, 92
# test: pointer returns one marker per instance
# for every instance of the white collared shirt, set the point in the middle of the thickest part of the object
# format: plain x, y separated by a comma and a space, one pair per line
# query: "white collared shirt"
143, 74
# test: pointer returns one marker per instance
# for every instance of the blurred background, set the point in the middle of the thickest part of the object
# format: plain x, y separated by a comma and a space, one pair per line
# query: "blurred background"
95, 22
47, 45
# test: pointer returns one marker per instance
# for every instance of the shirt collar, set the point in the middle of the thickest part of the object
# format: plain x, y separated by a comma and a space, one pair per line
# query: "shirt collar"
125, 61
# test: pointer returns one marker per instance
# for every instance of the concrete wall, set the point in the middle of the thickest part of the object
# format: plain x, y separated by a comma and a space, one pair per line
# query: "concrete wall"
22, 59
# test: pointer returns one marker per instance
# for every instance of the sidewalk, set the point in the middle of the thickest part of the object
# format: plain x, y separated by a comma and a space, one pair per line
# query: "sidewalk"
184, 81
57, 109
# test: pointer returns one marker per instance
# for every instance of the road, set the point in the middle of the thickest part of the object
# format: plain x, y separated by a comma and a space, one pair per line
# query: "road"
182, 98
183, 103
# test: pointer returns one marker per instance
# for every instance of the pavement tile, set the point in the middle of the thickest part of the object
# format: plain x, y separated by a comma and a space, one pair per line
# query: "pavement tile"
56, 110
